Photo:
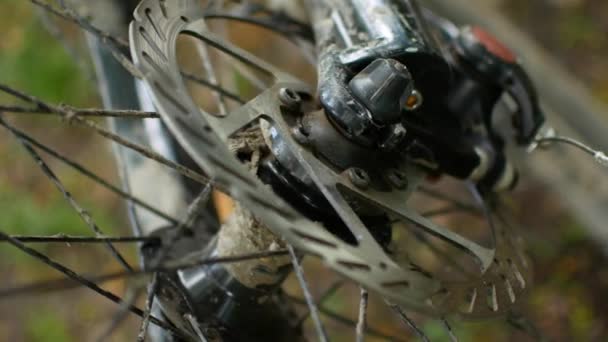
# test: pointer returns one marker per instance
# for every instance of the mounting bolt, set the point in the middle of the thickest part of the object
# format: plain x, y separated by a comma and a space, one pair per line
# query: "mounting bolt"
359, 177
397, 179
290, 98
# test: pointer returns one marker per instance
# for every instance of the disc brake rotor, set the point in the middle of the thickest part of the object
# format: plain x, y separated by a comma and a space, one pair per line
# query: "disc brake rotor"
154, 33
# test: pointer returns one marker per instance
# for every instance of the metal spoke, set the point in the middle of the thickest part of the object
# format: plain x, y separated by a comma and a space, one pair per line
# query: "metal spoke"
404, 317
133, 293
520, 322
449, 259
210, 72
121, 314
86, 282
362, 321
324, 297
448, 328
71, 117
195, 209
69, 15
143, 329
345, 320
185, 171
312, 307
213, 86
116, 45
84, 215
52, 28
93, 112
65, 284
91, 175
304, 31
68, 239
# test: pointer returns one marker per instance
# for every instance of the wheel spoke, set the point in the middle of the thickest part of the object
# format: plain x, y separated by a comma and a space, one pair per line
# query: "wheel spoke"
408, 321
449, 330
121, 313
66, 284
54, 30
68, 239
143, 329
70, 117
483, 254
213, 86
91, 175
211, 75
84, 215
345, 320
362, 321
118, 46
185, 171
93, 112
449, 259
85, 282
520, 322
69, 15
324, 297
389, 203
292, 29
312, 307
195, 209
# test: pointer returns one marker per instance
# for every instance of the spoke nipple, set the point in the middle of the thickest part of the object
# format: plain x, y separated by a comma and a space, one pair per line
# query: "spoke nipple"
290, 98
359, 177
397, 179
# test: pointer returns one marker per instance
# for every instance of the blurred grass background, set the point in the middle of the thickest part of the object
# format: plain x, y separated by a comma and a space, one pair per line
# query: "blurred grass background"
569, 302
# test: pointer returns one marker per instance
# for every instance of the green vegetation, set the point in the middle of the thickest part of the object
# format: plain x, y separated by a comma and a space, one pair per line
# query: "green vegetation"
44, 325
32, 60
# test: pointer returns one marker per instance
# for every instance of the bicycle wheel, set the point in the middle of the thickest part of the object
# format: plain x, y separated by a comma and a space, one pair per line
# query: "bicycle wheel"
240, 84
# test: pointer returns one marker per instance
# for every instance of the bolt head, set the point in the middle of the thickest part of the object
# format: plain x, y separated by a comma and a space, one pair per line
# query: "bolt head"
290, 98
359, 177
397, 179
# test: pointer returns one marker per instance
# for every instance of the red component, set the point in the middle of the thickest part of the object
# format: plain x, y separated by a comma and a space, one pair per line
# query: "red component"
493, 45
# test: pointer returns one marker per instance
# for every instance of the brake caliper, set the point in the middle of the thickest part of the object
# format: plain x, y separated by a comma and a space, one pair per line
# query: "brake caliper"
387, 83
